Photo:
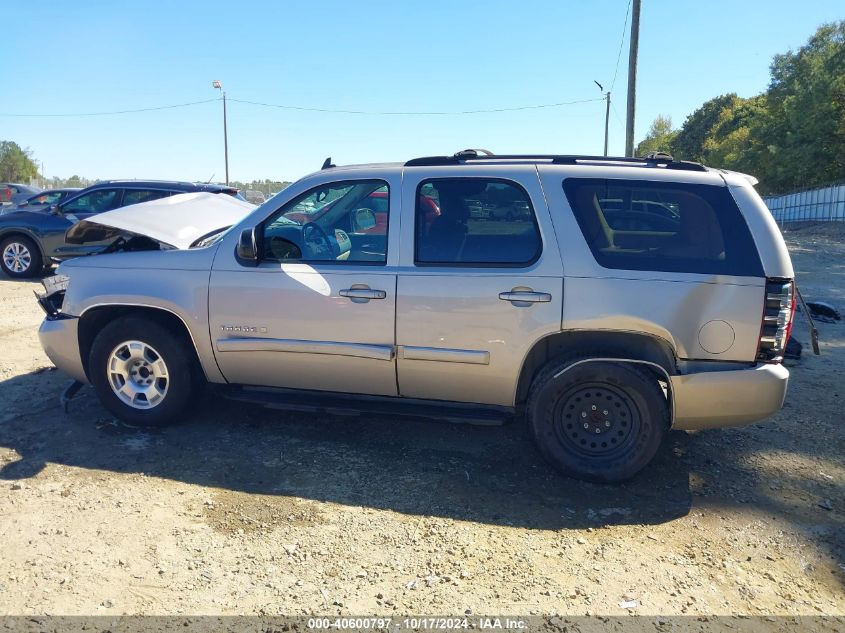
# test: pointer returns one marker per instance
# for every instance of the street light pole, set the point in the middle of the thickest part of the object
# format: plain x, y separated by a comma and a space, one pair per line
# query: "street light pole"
606, 113
219, 86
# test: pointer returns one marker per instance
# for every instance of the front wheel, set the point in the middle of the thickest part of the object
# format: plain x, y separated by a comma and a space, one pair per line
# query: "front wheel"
597, 420
20, 257
143, 373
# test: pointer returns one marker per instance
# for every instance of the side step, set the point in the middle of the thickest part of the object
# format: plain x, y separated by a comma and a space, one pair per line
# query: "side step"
353, 405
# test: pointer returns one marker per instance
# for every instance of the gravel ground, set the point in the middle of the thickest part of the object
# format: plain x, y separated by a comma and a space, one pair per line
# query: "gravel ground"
244, 510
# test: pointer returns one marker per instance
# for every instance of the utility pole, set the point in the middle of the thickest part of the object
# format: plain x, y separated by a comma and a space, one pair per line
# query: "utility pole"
606, 121
632, 78
606, 114
219, 86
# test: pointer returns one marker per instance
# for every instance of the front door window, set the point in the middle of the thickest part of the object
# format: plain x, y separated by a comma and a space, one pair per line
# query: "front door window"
339, 222
93, 202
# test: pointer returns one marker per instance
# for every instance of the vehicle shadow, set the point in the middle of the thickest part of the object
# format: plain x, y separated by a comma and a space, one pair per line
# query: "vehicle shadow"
483, 474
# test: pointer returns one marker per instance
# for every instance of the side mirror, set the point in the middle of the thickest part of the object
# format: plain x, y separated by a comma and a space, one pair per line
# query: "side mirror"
247, 250
24, 203
55, 209
363, 219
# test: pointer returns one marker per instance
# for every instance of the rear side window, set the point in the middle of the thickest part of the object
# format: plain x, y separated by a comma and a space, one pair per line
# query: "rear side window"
475, 222
660, 226
134, 196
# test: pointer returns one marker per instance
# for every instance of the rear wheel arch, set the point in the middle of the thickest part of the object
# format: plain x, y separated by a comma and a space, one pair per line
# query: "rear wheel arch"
655, 355
597, 419
92, 321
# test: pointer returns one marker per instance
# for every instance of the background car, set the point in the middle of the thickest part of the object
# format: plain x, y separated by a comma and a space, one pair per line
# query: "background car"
44, 199
254, 197
13, 193
30, 239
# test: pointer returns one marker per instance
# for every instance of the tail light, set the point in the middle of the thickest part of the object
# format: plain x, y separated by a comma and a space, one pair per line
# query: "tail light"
778, 313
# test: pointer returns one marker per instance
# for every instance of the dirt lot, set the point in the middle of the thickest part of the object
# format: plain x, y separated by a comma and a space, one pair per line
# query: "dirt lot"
246, 510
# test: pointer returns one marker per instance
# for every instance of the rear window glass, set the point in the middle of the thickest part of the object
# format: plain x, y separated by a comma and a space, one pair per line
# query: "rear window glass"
475, 222
134, 196
671, 227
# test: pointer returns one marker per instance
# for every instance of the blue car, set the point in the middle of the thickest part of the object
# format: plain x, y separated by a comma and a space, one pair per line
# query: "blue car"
31, 238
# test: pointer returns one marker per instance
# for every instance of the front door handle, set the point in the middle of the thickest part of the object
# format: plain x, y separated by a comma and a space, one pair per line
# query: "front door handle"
525, 296
362, 293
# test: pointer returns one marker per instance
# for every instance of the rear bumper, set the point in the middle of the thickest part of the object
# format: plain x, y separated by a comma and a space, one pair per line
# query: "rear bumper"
60, 341
713, 399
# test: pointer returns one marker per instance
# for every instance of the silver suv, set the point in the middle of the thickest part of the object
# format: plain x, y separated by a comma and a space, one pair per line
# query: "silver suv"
603, 300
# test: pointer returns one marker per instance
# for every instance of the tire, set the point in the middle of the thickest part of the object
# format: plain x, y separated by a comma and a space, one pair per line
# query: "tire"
158, 396
20, 257
597, 421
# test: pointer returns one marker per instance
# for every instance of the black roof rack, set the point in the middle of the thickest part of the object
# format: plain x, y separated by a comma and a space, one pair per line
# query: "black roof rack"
657, 159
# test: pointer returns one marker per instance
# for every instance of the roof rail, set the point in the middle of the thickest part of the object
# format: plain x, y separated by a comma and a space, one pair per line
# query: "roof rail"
657, 159
151, 181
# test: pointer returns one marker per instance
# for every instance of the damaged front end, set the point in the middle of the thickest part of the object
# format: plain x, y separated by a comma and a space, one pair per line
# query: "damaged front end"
53, 297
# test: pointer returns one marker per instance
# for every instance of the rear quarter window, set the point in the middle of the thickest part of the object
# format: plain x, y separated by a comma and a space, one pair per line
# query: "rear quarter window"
662, 226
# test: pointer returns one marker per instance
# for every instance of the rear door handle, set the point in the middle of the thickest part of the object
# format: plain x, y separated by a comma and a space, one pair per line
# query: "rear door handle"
362, 293
525, 296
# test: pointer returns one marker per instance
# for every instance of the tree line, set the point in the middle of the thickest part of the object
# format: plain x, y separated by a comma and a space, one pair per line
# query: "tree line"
790, 137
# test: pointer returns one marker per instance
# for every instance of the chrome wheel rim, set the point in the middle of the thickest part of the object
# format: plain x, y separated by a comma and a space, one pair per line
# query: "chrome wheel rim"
16, 257
138, 375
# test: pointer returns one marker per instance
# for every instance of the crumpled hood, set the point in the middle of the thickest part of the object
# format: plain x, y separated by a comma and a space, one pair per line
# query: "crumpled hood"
177, 221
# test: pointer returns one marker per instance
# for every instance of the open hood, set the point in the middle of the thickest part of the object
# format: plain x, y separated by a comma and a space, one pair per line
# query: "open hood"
176, 221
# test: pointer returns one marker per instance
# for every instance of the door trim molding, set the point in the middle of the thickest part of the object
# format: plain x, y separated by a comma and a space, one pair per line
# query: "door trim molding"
441, 354
258, 344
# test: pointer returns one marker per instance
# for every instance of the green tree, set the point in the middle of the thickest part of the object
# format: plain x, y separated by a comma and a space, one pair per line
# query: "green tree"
793, 135
659, 138
805, 132
689, 142
735, 138
16, 164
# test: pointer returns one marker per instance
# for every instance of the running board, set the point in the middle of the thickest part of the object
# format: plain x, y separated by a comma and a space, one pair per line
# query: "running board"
353, 405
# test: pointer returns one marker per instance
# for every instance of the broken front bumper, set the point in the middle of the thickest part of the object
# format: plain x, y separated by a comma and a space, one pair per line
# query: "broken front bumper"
60, 339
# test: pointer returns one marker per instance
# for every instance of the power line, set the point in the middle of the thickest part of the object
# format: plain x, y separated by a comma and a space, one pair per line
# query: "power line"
304, 109
417, 113
617, 115
621, 43
83, 114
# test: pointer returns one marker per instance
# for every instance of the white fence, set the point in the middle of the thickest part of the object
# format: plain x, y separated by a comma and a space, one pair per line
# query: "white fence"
821, 205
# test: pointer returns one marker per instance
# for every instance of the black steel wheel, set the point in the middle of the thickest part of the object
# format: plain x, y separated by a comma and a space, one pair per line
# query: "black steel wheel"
597, 420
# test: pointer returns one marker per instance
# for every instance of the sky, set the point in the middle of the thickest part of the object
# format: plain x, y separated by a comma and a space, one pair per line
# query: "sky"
410, 56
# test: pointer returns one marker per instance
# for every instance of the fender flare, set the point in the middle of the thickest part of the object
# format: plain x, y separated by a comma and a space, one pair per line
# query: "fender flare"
669, 395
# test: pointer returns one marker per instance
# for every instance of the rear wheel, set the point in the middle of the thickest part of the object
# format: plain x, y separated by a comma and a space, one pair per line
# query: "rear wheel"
597, 420
142, 372
20, 257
